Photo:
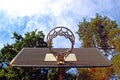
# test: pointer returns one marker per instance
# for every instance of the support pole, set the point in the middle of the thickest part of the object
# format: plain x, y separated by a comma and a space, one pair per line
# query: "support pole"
60, 61
61, 73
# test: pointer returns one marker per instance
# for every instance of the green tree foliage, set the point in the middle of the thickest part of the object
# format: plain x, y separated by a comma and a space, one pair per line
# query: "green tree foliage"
116, 64
31, 39
114, 40
53, 72
84, 74
9, 51
97, 33
104, 34
101, 73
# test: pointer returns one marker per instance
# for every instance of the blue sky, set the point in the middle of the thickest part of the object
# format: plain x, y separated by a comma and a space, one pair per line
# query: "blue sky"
27, 15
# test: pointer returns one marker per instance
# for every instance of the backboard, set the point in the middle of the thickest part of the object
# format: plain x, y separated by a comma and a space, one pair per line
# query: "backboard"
60, 57
80, 57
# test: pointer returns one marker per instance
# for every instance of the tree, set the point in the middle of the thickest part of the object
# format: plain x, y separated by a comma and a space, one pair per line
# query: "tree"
101, 33
53, 72
84, 74
114, 40
9, 51
96, 33
116, 64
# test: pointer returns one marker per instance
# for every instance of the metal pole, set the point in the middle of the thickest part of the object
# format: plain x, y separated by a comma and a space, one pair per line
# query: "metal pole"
60, 73
60, 61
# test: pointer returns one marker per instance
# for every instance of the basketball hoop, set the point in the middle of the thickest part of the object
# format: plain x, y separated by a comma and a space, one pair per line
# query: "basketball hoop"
60, 31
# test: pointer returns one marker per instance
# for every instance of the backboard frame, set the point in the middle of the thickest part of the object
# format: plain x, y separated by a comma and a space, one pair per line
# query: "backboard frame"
35, 57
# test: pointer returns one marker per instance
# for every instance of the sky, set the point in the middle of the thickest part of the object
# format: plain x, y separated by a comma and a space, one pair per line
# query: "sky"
23, 16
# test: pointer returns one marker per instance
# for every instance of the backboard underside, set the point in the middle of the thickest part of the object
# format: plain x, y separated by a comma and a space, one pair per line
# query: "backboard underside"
41, 57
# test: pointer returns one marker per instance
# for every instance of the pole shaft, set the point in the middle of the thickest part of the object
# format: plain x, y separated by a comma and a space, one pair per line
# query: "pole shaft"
60, 73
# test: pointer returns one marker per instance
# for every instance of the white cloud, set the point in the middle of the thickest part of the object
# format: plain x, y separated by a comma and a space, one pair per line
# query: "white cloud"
24, 7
